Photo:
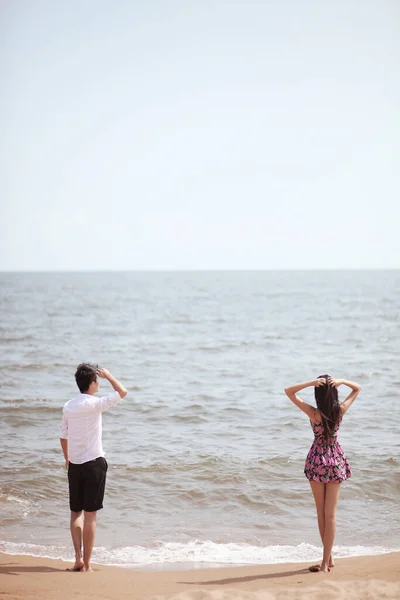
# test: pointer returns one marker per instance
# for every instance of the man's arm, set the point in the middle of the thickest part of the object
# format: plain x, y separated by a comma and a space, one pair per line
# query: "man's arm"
64, 446
64, 439
118, 387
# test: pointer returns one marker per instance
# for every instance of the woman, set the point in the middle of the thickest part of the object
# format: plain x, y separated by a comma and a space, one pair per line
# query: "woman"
326, 464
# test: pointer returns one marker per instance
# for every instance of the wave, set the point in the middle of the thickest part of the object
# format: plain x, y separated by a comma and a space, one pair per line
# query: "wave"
31, 404
5, 497
188, 419
224, 346
12, 339
195, 552
31, 367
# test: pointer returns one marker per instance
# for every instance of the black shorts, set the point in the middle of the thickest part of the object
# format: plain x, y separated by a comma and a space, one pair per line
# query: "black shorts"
87, 483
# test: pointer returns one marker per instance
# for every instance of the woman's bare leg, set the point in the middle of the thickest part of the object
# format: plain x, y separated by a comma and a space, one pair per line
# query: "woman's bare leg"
331, 502
319, 493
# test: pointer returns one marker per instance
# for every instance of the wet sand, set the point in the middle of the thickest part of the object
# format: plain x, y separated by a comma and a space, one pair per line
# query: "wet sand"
30, 578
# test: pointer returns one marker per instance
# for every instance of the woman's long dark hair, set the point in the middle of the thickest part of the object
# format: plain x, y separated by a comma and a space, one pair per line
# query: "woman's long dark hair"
327, 399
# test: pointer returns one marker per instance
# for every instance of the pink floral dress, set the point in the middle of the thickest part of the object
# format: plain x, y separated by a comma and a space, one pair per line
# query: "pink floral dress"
326, 462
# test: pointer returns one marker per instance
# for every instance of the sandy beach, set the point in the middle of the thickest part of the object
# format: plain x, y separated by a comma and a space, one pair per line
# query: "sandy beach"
30, 578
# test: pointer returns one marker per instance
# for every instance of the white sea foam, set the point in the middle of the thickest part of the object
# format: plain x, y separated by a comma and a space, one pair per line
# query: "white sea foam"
195, 553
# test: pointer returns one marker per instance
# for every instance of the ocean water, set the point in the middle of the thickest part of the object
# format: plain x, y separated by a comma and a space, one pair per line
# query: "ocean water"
206, 454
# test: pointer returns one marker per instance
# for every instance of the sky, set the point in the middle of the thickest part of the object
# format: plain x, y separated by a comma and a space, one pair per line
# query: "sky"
185, 135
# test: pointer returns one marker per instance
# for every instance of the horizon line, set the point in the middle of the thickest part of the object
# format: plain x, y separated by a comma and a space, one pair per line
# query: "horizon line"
222, 270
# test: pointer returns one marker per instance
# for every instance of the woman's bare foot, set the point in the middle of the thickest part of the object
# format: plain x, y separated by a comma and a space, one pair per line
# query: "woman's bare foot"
87, 569
316, 568
324, 568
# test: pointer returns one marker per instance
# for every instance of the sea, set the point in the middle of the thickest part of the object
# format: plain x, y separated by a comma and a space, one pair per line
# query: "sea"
206, 453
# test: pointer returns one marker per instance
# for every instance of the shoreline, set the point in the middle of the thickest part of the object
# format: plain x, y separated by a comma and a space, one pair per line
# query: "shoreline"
189, 565
34, 578
195, 555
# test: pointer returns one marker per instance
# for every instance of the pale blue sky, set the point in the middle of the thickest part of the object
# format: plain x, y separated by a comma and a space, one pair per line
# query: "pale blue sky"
189, 134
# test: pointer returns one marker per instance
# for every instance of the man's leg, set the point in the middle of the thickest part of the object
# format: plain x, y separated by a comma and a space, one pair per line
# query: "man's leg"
89, 532
76, 534
95, 481
76, 506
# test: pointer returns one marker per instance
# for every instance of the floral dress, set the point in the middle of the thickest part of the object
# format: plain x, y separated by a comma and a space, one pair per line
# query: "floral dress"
326, 462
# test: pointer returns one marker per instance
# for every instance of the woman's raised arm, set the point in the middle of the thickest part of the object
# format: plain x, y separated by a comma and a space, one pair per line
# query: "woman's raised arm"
355, 390
291, 393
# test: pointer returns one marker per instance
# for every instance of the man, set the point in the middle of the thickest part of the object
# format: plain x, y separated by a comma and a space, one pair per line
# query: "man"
81, 442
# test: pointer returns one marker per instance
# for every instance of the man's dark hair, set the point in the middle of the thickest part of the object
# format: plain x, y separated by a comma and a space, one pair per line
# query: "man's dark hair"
86, 373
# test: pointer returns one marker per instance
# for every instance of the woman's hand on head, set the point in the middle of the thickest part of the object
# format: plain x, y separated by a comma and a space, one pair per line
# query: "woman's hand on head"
334, 382
319, 382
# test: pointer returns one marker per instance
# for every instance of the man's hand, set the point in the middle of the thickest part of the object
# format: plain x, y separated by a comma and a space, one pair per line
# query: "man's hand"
103, 373
67, 464
118, 387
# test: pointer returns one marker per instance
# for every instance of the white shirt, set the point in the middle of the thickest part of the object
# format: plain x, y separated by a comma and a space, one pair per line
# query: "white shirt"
81, 425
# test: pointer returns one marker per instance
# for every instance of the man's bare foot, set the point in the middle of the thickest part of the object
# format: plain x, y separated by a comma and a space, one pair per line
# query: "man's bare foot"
77, 567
